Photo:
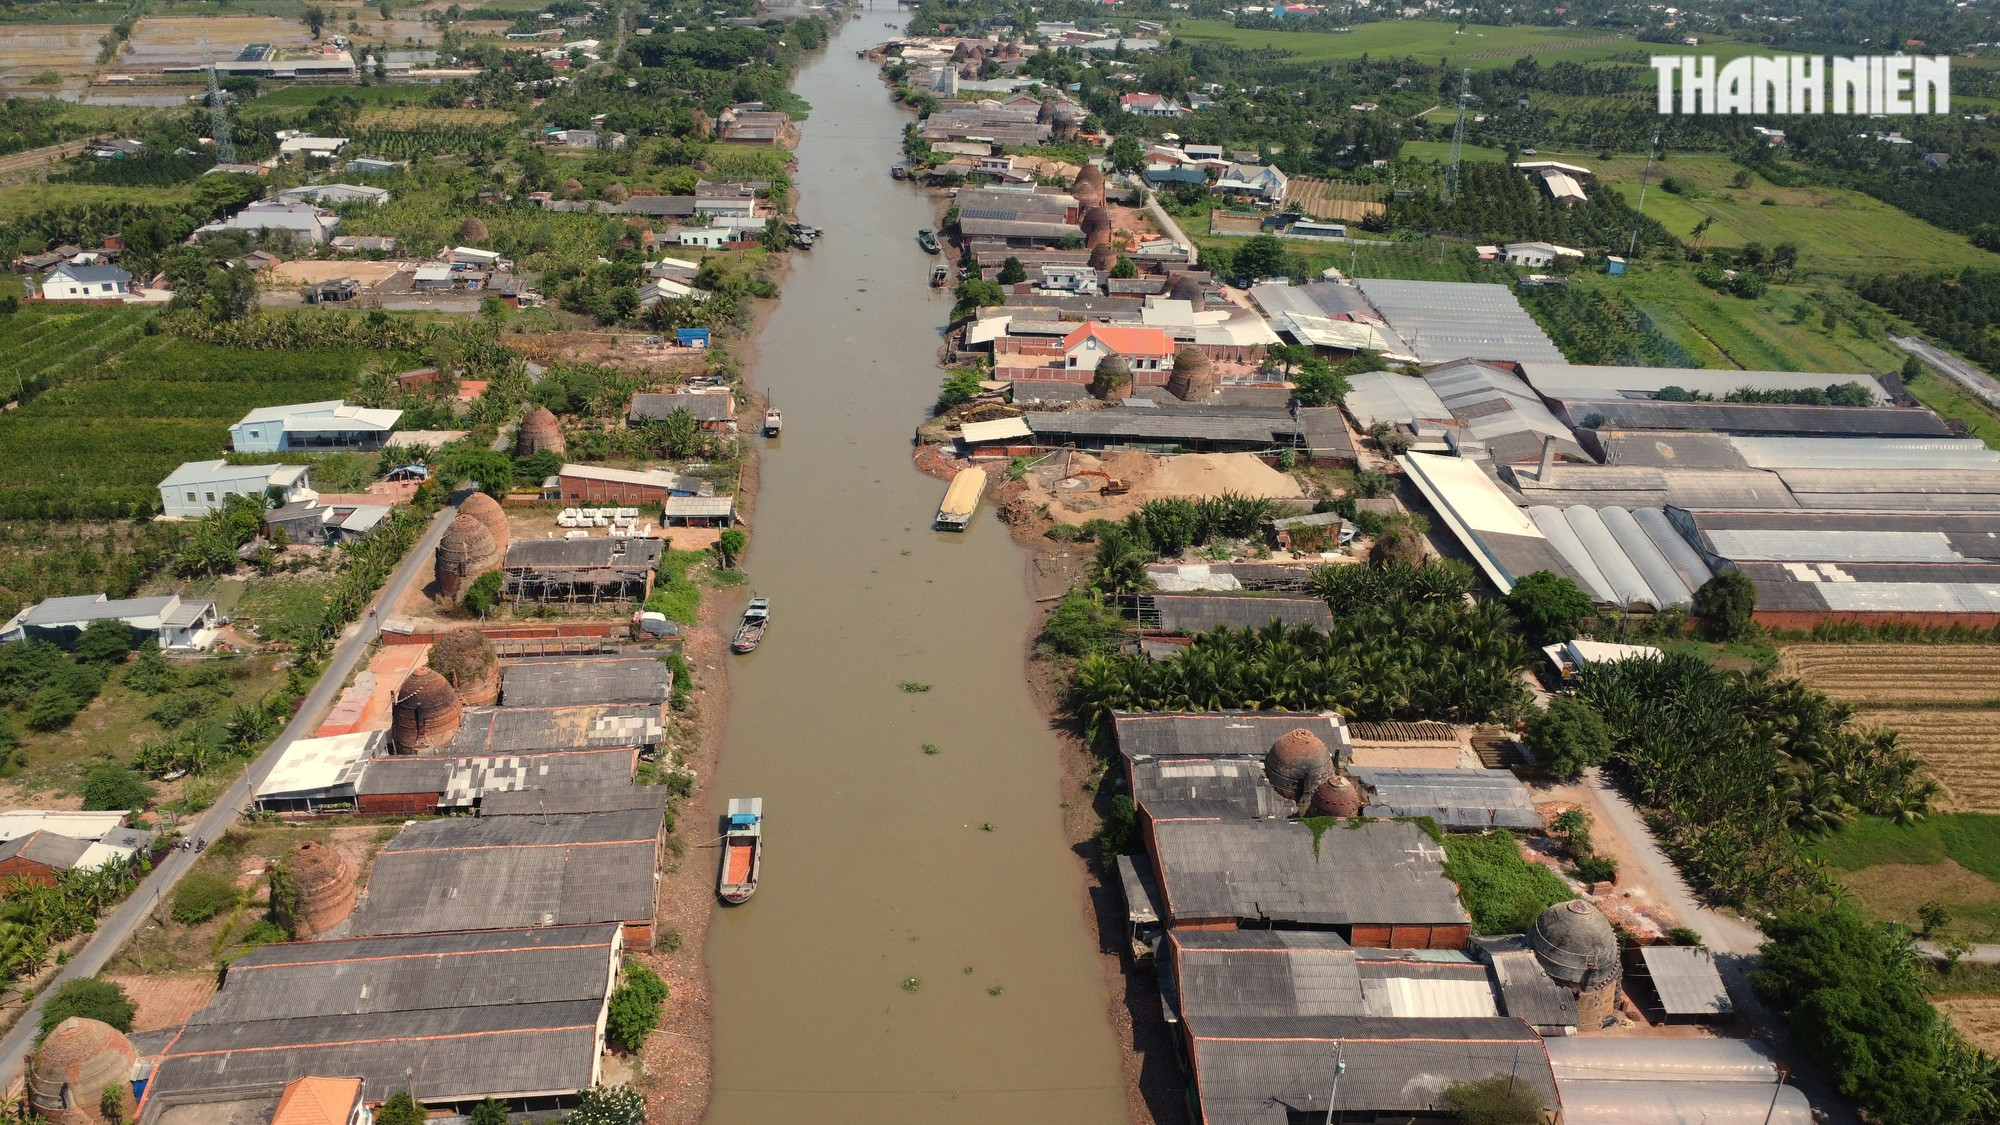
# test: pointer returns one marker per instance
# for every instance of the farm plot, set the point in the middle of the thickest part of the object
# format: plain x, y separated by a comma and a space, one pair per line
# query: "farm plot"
1338, 200
27, 53
159, 42
1976, 1017
1961, 747
1890, 675
411, 117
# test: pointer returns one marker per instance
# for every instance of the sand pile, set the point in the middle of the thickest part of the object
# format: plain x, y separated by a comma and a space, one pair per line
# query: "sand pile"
1071, 487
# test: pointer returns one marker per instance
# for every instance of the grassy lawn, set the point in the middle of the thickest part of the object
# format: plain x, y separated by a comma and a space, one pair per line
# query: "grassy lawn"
283, 607
1439, 152
1837, 231
1425, 39
1724, 331
1944, 396
1952, 859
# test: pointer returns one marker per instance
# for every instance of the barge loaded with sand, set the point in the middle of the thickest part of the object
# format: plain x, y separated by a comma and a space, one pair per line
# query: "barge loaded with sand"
961, 500
742, 849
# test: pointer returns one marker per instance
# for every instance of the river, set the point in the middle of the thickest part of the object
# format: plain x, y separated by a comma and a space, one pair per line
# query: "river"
918, 950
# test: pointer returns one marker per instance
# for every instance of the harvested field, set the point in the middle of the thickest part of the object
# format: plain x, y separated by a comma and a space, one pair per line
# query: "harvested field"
1891, 675
1897, 890
163, 41
1961, 746
1334, 199
26, 52
421, 117
1976, 1017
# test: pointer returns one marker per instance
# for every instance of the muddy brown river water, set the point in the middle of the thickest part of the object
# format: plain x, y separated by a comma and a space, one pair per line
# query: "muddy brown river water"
918, 950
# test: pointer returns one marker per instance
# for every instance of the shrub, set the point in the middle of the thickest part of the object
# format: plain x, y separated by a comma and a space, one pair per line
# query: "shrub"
112, 786
92, 999
402, 1109
104, 642
1502, 891
1498, 1100
1724, 605
483, 594
52, 708
1596, 869
635, 1008
1548, 605
201, 896
492, 1111
600, 1105
1120, 833
1080, 625
958, 387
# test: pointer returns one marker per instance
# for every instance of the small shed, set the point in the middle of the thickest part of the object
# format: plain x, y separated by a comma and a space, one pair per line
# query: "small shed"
1685, 986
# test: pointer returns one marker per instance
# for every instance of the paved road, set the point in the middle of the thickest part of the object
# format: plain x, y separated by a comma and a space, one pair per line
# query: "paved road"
1733, 941
1977, 955
1982, 385
117, 928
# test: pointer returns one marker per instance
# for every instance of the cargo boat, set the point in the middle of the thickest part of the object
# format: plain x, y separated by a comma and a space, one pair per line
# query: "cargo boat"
961, 500
774, 423
927, 238
742, 849
756, 619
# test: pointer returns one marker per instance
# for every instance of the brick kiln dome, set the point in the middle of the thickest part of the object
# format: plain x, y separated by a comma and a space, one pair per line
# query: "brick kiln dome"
466, 551
467, 661
1337, 796
1096, 226
426, 713
1576, 945
487, 511
1112, 380
326, 888
71, 1069
1089, 186
1103, 257
1297, 763
539, 433
1186, 288
1194, 375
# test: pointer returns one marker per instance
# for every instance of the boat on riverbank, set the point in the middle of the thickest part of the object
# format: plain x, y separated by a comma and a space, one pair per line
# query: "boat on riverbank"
774, 423
940, 275
961, 500
756, 619
742, 850
927, 239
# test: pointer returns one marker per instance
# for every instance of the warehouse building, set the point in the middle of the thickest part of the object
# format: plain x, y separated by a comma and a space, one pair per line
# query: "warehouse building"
1191, 614
319, 774
1672, 1082
1558, 380
514, 1014
501, 872
527, 730
596, 484
1750, 418
1450, 320
413, 786
1251, 1070
568, 681
1502, 415
580, 571
1457, 799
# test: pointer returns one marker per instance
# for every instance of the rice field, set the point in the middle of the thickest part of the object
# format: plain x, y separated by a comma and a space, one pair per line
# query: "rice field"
1338, 200
1943, 701
29, 52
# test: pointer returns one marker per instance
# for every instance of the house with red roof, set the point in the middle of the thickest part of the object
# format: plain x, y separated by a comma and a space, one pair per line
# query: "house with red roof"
1150, 351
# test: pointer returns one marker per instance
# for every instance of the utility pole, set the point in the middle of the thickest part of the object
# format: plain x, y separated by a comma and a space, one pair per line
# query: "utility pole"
1775, 1091
1633, 247
218, 114
1340, 1068
1457, 137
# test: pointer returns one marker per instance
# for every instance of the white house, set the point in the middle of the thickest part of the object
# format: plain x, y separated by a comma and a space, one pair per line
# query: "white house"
70, 282
199, 487
334, 195
303, 220
179, 624
470, 256
313, 425
708, 238
1537, 253
377, 165
300, 145
1261, 182
1151, 105
667, 289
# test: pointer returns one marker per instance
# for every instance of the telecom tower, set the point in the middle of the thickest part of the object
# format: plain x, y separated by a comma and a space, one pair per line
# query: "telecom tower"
218, 113
1457, 137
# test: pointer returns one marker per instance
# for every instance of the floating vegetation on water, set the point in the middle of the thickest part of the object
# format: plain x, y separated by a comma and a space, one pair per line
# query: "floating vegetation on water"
968, 970
995, 990
986, 826
931, 748
912, 687
911, 984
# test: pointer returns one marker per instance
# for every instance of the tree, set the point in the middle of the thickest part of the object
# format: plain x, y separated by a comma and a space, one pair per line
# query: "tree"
1498, 1100
91, 999
1261, 255
1318, 384
492, 1111
1724, 605
975, 293
315, 19
1123, 269
492, 469
677, 435
400, 1109
1121, 562
730, 543
1912, 368
959, 387
112, 786
1125, 154
1548, 606
105, 641
1569, 736
603, 1105
1012, 272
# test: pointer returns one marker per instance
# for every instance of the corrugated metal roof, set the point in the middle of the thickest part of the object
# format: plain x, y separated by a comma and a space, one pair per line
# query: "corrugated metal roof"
1682, 1103
1427, 989
1558, 379
1198, 613
1752, 418
1219, 734
1863, 453
1686, 980
1381, 396
1141, 889
562, 681
1169, 787
1446, 320
1526, 992
1224, 973
1384, 872
1500, 410
1455, 798
1594, 1059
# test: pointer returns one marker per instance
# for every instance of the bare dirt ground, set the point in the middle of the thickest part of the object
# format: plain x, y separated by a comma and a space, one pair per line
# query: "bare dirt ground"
1976, 1017
621, 350
28, 51
1633, 902
1070, 485
369, 274
165, 1001
163, 41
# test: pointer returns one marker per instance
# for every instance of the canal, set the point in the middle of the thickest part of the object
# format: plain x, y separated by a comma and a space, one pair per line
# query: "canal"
918, 950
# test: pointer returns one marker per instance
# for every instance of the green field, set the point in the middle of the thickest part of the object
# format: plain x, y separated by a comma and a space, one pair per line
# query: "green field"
1952, 859
1439, 152
42, 196
1837, 231
1949, 401
1478, 45
1724, 331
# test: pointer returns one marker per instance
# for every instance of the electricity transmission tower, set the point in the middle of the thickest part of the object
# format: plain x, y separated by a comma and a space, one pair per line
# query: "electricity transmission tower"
1643, 178
1457, 137
218, 113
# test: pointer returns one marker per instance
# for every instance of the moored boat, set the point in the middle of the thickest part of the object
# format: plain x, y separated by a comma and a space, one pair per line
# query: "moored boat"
961, 499
756, 618
940, 275
927, 239
774, 422
742, 849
